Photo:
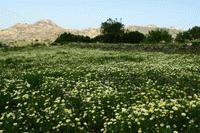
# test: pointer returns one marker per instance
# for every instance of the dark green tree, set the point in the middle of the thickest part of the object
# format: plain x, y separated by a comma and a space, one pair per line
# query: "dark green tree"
112, 31
182, 37
189, 35
194, 33
133, 37
159, 35
113, 27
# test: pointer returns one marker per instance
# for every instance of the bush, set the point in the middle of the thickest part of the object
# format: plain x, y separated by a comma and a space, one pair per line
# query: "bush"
194, 33
2, 45
68, 37
133, 37
109, 38
98, 38
191, 34
196, 42
182, 37
159, 35
129, 37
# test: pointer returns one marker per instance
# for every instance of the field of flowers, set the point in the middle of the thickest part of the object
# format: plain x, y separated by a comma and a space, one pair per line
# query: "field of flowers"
64, 89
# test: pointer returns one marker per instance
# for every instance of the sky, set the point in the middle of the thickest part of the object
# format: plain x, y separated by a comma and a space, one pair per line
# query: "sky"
182, 14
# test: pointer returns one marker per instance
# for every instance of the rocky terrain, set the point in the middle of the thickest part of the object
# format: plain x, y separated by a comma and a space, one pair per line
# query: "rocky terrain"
46, 30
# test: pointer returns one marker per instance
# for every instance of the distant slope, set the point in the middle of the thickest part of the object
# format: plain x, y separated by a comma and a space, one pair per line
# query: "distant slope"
46, 30
42, 30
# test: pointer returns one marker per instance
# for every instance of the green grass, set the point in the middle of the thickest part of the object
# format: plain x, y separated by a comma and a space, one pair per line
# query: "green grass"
69, 89
169, 48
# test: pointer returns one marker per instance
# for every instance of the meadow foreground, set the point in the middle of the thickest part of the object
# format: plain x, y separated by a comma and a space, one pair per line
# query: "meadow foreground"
65, 89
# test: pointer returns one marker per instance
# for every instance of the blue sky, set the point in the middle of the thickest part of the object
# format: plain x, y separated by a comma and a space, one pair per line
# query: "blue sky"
90, 13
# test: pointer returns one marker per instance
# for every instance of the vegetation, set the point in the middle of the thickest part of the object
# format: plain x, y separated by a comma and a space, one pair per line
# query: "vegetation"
133, 37
68, 37
105, 88
112, 27
182, 37
2, 45
196, 42
112, 31
190, 35
159, 35
169, 48
194, 33
68, 89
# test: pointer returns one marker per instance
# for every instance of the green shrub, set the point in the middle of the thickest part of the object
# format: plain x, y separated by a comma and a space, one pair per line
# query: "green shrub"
68, 37
159, 35
189, 35
2, 45
133, 37
194, 33
182, 37
196, 42
108, 38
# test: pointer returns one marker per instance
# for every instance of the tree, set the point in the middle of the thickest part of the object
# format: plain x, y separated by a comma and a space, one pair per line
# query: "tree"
194, 33
183, 37
189, 35
112, 31
133, 37
159, 35
113, 27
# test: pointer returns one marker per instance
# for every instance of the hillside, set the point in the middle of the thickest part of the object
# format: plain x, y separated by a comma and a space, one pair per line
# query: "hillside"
42, 30
46, 30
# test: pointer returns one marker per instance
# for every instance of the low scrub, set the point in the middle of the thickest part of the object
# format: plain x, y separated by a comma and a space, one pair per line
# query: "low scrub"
68, 37
133, 37
158, 36
196, 42
2, 45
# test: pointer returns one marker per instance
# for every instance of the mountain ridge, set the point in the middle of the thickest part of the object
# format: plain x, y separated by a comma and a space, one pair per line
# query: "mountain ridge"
47, 30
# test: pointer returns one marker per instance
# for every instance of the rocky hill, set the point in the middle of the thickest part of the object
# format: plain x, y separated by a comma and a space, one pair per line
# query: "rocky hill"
46, 30
42, 30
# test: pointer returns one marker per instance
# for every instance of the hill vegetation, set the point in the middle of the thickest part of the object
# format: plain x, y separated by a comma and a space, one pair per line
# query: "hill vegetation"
113, 31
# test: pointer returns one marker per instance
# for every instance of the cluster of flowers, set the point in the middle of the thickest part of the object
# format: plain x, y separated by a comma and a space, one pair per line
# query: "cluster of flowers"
80, 93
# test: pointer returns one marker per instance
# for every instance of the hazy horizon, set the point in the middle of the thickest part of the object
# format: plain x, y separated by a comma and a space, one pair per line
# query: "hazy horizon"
87, 13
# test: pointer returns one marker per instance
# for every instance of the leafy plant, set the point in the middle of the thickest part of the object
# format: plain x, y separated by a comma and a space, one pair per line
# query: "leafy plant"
133, 37
189, 35
196, 42
68, 37
159, 35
